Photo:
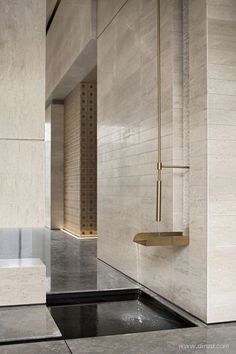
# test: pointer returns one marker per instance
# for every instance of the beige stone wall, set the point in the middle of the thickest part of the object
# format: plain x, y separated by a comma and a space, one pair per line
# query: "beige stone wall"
198, 153
127, 152
50, 8
71, 47
107, 10
80, 161
198, 121
221, 127
172, 125
22, 107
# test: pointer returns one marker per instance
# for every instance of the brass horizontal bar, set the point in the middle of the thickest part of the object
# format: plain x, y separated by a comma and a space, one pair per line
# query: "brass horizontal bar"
160, 166
161, 239
174, 166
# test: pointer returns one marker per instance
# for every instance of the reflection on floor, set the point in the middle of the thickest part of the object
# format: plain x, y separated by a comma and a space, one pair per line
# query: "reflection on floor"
71, 263
72, 266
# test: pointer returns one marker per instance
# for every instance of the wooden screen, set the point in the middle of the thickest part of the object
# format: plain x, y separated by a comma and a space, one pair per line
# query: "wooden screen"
80, 176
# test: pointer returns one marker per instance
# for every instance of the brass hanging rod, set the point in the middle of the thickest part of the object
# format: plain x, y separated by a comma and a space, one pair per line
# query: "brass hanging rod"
171, 238
160, 166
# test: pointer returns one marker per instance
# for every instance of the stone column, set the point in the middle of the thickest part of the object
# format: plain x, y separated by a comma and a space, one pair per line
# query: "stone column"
54, 136
22, 108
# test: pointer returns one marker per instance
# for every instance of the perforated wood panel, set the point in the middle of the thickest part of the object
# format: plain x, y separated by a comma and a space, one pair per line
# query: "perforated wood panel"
80, 161
88, 146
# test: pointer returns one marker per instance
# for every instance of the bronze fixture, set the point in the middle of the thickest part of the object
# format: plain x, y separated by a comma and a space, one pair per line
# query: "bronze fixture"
161, 238
160, 167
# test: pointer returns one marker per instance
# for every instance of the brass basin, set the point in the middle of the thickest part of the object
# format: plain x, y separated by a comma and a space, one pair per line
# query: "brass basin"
161, 239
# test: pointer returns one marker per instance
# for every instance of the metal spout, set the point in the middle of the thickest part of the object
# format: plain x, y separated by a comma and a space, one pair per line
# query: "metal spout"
161, 239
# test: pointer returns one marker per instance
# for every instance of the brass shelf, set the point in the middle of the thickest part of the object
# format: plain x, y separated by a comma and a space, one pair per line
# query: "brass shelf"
176, 239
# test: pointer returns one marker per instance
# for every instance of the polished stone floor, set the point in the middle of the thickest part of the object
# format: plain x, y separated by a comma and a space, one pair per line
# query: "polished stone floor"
51, 347
185, 341
71, 263
27, 323
72, 266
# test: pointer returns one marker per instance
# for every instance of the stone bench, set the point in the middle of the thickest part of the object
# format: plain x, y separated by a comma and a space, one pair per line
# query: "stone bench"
22, 282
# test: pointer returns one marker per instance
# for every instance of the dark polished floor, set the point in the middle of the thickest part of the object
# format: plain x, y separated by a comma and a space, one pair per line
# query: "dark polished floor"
112, 317
71, 263
72, 267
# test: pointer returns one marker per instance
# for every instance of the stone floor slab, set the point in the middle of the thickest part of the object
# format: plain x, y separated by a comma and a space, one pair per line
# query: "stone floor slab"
50, 347
26, 323
190, 340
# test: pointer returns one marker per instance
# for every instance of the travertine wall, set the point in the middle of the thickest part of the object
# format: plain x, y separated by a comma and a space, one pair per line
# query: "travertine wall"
50, 8
212, 157
80, 168
172, 126
71, 47
198, 113
221, 126
22, 107
107, 10
198, 150
127, 153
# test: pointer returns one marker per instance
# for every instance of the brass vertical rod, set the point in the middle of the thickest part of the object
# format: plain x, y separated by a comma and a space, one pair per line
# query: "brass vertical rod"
158, 200
159, 82
159, 165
